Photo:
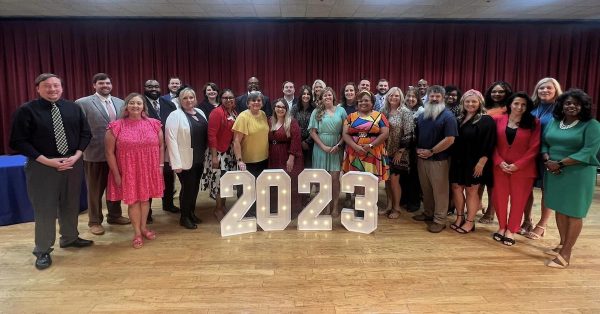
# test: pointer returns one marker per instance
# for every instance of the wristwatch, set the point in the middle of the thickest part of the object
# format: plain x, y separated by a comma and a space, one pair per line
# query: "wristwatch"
431, 150
560, 164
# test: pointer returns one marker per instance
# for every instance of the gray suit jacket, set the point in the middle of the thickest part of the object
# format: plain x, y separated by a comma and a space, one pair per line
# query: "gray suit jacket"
98, 120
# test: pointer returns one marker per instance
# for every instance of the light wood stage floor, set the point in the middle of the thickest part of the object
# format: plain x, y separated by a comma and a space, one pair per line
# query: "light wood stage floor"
400, 268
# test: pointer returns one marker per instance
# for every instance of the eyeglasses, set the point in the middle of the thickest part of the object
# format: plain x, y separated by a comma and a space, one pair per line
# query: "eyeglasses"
281, 107
152, 86
227, 98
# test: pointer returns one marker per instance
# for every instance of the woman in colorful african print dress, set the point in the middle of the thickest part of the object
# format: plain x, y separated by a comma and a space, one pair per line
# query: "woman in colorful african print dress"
365, 132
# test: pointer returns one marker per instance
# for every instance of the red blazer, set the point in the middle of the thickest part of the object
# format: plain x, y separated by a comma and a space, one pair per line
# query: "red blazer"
523, 151
220, 134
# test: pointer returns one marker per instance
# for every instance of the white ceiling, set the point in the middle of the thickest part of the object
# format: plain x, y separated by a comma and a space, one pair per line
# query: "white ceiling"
335, 9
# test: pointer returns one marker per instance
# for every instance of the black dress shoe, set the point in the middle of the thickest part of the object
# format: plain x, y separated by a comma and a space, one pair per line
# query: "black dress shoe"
187, 223
43, 260
77, 243
195, 219
172, 209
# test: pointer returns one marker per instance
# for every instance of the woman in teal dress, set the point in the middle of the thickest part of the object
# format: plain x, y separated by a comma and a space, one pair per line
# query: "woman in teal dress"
325, 126
569, 147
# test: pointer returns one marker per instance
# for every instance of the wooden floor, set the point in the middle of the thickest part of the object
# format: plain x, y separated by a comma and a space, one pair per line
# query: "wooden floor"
400, 268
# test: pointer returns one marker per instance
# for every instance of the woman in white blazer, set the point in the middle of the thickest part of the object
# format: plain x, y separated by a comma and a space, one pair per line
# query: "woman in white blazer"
186, 132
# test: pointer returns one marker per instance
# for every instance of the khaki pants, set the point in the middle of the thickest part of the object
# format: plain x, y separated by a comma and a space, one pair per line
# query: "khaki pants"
433, 176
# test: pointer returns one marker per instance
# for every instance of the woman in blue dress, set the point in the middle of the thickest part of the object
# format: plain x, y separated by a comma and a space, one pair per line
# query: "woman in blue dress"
544, 96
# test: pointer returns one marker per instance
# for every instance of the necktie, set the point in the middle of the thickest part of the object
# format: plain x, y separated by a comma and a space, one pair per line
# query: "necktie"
156, 107
112, 116
59, 131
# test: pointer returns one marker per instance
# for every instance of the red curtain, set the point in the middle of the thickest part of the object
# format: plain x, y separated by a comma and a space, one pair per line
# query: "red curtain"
469, 55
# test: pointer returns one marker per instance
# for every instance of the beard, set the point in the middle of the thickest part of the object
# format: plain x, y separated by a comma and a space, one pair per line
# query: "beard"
432, 111
152, 94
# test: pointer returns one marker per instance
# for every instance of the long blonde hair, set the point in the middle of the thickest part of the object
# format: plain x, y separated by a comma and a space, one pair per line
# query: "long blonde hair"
321, 106
287, 120
534, 95
463, 111
387, 107
318, 81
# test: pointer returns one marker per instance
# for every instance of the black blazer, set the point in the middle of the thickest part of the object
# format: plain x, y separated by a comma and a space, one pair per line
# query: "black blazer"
241, 104
166, 107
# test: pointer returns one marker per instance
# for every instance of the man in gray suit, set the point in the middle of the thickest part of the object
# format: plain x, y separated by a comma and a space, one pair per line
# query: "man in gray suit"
100, 109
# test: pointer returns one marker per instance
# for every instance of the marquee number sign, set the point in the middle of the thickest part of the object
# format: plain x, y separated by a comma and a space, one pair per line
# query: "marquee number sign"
310, 217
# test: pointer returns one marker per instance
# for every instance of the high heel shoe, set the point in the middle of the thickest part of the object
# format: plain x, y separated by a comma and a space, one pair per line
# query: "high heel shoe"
534, 236
464, 231
454, 226
187, 223
526, 227
554, 251
562, 262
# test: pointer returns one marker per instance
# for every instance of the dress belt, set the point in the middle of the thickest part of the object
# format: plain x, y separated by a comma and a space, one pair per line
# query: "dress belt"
365, 134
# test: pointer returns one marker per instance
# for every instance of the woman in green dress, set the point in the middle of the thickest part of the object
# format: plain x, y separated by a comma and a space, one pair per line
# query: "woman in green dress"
569, 147
325, 127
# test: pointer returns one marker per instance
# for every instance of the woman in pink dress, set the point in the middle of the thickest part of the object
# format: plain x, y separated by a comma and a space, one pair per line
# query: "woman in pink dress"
134, 152
285, 148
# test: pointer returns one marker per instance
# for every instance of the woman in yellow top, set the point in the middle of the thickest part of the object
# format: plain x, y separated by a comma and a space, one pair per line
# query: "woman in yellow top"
251, 138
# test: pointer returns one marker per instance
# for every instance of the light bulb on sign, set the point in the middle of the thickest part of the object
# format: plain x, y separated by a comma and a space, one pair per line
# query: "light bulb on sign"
310, 215
281, 219
366, 203
235, 216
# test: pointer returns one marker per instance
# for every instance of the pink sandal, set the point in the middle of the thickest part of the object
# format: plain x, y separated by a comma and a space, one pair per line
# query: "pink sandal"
149, 234
137, 242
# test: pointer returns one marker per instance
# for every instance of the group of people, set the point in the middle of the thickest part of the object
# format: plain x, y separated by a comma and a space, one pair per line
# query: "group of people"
431, 144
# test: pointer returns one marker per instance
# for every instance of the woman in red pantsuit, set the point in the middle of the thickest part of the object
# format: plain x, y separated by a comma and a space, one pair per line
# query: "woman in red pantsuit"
518, 143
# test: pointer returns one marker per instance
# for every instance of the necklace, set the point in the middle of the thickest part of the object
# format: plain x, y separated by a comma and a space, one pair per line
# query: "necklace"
564, 126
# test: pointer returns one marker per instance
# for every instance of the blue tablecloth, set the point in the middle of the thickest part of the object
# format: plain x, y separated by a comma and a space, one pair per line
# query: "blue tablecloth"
14, 203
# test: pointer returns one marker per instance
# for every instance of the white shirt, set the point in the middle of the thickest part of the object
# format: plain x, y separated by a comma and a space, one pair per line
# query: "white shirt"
290, 103
104, 100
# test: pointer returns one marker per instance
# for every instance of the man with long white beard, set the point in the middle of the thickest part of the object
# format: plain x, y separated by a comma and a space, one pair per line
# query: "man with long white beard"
436, 130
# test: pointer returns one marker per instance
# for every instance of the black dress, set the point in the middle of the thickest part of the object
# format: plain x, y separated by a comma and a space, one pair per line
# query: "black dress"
474, 141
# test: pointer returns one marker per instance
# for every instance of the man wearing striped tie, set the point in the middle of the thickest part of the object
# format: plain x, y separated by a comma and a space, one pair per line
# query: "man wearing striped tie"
53, 133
